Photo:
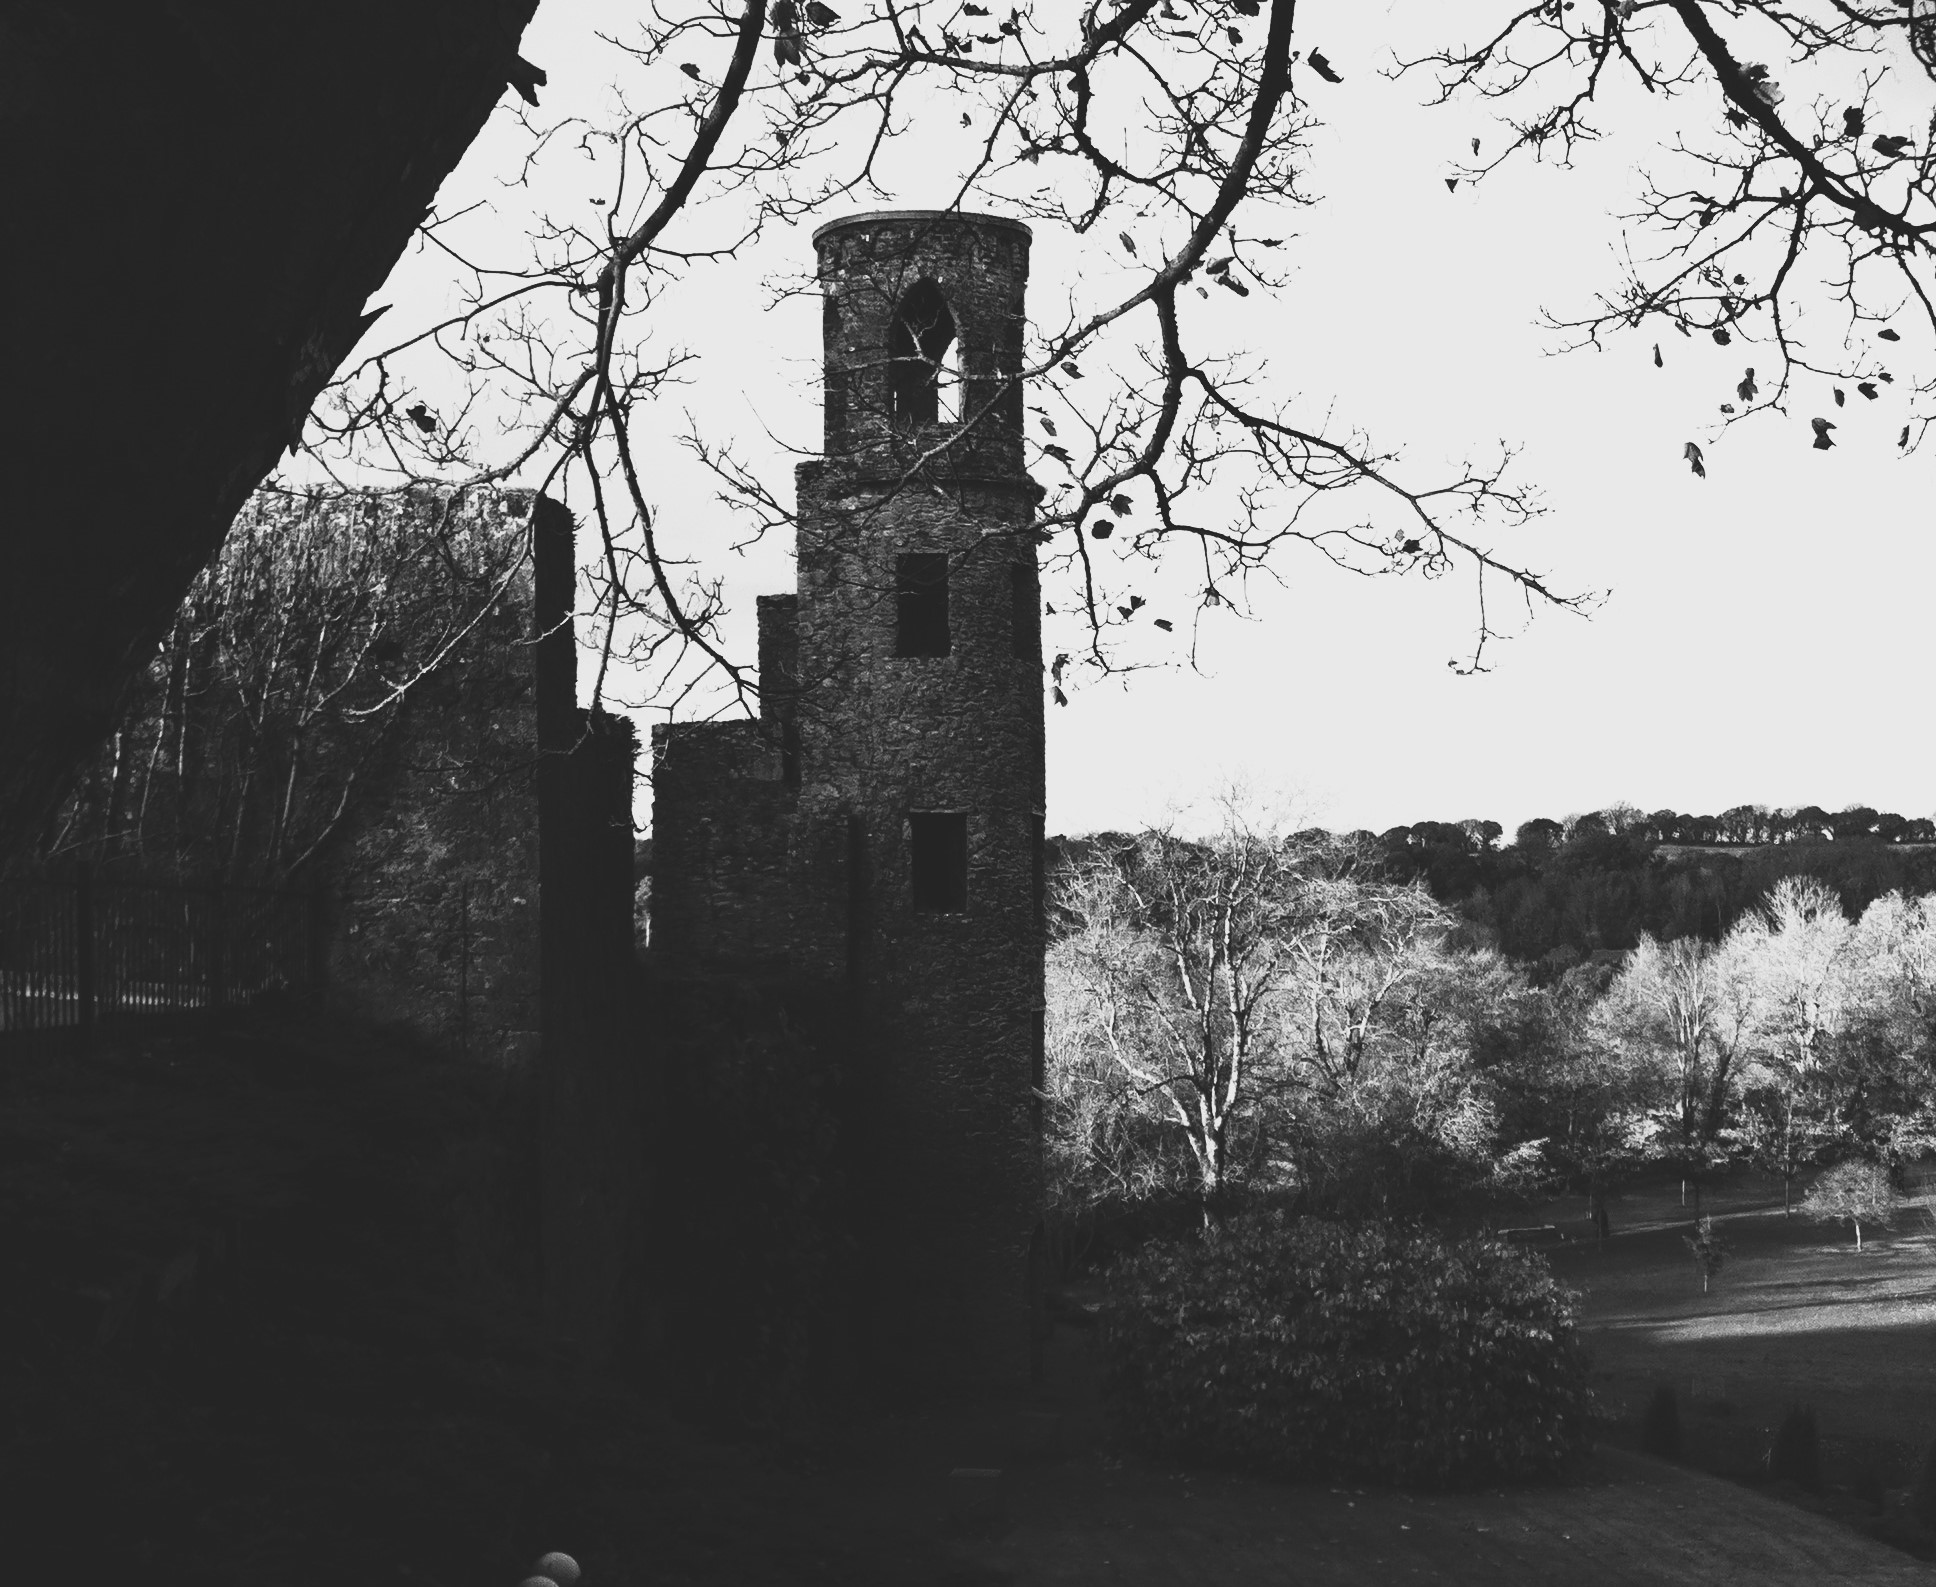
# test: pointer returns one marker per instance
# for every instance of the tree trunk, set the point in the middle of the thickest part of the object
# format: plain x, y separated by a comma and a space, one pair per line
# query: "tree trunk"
273, 162
1788, 1157
1858, 1234
1210, 1190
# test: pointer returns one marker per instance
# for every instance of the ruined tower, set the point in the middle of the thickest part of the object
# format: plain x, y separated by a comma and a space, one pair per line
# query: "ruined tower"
881, 825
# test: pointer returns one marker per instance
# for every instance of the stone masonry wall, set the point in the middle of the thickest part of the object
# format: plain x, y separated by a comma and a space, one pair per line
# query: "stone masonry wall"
949, 1001
434, 895
436, 918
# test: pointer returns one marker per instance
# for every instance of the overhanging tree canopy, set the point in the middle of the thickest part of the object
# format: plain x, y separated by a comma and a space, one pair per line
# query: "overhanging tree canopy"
271, 190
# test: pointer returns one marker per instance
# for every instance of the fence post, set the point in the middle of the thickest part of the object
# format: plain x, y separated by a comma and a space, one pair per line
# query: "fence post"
84, 942
316, 931
464, 967
218, 968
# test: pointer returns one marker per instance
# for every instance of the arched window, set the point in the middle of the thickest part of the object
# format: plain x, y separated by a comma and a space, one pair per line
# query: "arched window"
924, 363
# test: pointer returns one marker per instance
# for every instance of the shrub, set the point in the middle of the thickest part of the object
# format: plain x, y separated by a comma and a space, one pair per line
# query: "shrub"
1854, 1193
1796, 1454
1660, 1431
1305, 1347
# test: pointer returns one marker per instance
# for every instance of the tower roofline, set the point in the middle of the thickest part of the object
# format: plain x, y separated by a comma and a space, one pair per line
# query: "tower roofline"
876, 216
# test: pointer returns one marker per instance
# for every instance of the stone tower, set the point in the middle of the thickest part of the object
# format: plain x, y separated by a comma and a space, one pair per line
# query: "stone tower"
882, 824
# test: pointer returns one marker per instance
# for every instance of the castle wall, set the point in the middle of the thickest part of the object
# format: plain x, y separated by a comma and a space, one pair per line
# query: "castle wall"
437, 888
779, 617
741, 883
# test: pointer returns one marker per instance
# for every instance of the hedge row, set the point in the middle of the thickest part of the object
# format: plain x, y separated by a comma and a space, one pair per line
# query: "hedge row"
1309, 1348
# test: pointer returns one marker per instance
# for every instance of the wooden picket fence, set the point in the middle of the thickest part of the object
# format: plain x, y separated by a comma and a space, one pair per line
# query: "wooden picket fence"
78, 949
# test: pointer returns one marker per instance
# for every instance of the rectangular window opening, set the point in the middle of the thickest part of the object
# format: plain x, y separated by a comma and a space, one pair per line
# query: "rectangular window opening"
939, 861
921, 604
1025, 612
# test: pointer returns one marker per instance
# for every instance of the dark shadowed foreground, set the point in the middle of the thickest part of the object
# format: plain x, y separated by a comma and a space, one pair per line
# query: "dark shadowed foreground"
274, 162
270, 1315
266, 1318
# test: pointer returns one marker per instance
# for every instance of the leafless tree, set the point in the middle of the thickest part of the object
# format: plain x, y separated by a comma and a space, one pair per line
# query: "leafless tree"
1791, 206
1794, 205
1855, 1193
1687, 1004
1798, 946
1170, 133
1173, 976
1267, 1002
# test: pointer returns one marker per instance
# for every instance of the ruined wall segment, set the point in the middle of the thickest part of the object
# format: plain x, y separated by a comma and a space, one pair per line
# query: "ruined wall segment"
779, 617
434, 882
485, 883
741, 884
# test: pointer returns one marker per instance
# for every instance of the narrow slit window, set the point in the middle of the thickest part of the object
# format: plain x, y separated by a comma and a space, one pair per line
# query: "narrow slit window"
947, 385
790, 753
1025, 612
1008, 401
921, 348
1038, 1070
938, 861
921, 604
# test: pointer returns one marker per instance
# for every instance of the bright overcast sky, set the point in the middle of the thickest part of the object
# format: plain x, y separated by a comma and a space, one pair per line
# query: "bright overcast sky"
1764, 637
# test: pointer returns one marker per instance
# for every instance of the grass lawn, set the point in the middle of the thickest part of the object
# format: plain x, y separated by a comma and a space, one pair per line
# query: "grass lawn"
1796, 1316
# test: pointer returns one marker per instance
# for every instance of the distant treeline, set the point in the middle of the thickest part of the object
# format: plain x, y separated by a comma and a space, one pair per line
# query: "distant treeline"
1563, 890
1743, 826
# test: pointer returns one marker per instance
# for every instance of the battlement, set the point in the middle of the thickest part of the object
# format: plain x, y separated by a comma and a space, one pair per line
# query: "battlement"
923, 330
